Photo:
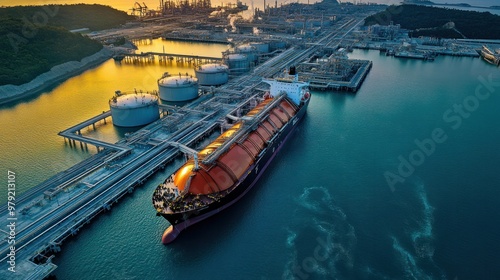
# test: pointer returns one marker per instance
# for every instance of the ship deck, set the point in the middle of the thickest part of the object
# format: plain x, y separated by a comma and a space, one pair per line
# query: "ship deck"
168, 199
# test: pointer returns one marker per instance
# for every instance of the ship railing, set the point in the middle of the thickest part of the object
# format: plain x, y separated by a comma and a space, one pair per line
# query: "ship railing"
247, 125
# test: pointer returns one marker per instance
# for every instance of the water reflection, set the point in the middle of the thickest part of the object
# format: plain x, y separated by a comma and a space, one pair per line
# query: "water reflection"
38, 119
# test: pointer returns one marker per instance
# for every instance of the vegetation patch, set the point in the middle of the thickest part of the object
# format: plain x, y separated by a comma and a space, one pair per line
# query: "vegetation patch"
77, 16
440, 22
33, 39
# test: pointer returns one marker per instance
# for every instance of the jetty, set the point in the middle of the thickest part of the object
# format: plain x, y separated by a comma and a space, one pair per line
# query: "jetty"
149, 57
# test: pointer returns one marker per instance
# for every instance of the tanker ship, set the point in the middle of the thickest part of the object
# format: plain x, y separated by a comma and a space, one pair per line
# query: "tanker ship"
225, 170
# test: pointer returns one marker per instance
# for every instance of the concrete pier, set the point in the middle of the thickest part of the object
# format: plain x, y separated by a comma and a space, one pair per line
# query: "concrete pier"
150, 57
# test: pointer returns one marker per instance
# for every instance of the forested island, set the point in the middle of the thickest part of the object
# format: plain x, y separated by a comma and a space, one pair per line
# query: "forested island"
70, 17
36, 38
440, 22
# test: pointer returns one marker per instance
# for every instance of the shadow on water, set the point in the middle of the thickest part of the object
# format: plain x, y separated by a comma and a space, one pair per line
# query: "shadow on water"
175, 103
122, 131
30, 97
338, 98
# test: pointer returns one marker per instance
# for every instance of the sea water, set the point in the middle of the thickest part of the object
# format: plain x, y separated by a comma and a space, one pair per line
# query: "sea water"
325, 209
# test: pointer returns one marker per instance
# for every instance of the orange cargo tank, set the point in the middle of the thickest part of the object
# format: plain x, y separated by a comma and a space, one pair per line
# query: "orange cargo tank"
225, 171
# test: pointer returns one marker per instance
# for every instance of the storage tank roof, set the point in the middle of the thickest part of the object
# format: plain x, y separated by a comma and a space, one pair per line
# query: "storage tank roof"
133, 100
245, 48
179, 80
212, 68
236, 56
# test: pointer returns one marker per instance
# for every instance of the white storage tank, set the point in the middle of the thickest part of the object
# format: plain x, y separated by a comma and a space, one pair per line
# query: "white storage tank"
212, 74
249, 51
238, 63
178, 88
129, 110
260, 47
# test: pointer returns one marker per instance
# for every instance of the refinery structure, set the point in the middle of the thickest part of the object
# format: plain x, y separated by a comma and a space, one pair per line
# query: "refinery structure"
230, 97
141, 10
184, 7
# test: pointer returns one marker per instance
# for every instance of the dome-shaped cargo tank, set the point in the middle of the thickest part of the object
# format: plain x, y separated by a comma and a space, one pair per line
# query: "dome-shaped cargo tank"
129, 110
212, 74
178, 88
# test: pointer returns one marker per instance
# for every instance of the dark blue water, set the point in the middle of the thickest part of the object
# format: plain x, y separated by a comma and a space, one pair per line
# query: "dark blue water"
324, 209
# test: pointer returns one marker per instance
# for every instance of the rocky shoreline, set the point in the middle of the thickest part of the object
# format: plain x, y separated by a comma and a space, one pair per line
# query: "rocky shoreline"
58, 73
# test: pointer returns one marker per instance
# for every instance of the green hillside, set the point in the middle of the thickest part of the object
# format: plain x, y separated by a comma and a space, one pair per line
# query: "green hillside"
94, 17
431, 21
33, 39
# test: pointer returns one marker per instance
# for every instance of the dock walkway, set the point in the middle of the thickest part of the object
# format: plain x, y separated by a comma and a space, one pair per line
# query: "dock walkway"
163, 57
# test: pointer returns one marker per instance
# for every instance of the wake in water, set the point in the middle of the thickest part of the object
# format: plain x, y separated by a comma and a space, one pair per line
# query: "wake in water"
423, 239
419, 264
409, 263
320, 240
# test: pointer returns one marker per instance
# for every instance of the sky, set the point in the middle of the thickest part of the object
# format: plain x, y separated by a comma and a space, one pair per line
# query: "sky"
126, 5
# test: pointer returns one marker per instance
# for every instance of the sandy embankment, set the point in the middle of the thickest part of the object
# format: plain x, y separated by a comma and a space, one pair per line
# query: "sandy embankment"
57, 74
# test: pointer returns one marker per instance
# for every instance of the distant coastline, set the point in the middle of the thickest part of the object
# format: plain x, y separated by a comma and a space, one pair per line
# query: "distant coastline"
56, 75
438, 22
465, 5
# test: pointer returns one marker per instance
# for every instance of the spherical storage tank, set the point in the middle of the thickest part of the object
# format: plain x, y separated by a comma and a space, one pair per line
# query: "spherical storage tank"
212, 74
238, 62
178, 88
130, 110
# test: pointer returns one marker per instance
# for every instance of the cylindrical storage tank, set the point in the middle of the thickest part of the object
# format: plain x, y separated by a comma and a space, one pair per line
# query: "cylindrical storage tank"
178, 88
249, 51
260, 47
277, 45
131, 110
238, 63
212, 74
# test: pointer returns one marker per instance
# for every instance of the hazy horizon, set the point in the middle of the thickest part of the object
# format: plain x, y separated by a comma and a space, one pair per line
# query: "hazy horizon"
154, 4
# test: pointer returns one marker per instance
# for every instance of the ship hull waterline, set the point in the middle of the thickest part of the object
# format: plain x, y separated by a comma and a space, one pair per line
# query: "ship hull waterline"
179, 222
